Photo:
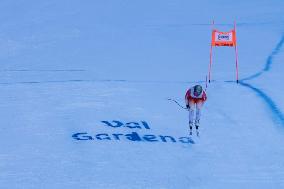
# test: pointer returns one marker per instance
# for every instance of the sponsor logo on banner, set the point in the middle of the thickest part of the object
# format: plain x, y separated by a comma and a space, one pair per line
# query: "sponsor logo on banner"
223, 37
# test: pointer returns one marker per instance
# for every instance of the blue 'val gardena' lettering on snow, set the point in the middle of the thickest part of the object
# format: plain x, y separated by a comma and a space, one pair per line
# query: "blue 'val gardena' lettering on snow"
132, 136
131, 125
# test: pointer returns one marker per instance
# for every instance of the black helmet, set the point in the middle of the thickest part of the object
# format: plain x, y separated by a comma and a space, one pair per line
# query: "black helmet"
197, 90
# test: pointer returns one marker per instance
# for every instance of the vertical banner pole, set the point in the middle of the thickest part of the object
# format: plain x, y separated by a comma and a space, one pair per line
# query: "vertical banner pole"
237, 69
206, 84
236, 52
210, 63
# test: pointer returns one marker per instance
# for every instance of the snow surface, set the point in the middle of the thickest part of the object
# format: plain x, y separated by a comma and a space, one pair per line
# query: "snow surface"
105, 69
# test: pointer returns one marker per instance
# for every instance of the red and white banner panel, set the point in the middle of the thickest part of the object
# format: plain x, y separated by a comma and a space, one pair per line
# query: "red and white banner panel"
223, 38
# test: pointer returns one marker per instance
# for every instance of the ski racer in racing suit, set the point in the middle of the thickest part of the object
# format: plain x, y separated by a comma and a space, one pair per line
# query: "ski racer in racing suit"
194, 99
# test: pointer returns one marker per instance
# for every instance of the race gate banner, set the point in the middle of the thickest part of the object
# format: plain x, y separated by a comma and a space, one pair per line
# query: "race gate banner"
220, 38
223, 38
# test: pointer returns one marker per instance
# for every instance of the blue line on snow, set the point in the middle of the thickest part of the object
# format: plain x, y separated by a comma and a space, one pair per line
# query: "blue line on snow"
276, 111
269, 60
100, 80
279, 115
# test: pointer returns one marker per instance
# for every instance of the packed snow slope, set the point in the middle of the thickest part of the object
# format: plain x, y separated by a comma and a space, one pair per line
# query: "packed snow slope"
85, 87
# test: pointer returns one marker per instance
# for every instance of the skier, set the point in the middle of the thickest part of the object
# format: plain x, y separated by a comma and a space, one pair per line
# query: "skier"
194, 99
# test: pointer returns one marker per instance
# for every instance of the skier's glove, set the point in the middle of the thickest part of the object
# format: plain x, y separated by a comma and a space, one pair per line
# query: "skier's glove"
187, 106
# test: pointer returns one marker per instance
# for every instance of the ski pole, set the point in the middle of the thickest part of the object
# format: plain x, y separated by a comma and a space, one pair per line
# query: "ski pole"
177, 103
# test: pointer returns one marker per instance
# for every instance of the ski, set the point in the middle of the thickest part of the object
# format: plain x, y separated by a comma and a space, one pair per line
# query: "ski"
196, 130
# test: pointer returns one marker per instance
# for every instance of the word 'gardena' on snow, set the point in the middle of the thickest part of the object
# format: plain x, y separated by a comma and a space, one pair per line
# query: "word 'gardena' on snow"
134, 137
